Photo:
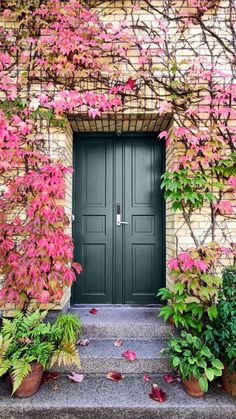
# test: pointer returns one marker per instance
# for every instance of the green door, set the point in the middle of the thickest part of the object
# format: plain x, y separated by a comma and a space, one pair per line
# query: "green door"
117, 179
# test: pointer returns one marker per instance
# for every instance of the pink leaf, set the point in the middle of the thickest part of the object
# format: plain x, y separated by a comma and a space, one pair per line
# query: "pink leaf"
118, 342
76, 378
131, 356
77, 267
157, 394
83, 342
49, 376
147, 377
163, 134
115, 376
169, 378
93, 311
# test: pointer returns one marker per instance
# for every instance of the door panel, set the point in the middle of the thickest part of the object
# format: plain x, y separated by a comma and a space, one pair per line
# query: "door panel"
143, 249
122, 264
92, 227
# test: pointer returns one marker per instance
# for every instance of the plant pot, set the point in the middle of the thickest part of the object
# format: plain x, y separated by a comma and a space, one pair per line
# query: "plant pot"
192, 387
229, 381
31, 382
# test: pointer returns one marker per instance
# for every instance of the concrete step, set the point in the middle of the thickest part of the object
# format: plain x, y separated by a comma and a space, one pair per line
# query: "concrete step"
98, 398
101, 356
126, 321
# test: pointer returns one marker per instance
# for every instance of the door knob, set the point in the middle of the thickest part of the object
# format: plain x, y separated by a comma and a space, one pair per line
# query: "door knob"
118, 220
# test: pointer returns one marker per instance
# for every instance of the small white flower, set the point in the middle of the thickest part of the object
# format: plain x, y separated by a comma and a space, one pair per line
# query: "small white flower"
34, 104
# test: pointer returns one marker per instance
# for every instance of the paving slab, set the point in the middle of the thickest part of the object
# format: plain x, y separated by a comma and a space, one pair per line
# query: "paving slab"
98, 398
100, 356
122, 321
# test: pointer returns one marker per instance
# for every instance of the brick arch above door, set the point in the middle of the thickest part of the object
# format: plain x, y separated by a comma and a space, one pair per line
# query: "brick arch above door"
121, 122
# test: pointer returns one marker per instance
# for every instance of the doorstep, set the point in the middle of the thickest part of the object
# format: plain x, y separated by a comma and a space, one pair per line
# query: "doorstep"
98, 398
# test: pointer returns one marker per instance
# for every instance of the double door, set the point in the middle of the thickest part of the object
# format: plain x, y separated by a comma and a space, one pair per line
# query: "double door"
118, 226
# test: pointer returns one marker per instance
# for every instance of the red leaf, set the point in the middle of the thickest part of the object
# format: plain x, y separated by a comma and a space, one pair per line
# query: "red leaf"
76, 378
77, 267
93, 311
147, 377
49, 376
115, 376
169, 378
83, 342
118, 342
131, 356
157, 394
131, 83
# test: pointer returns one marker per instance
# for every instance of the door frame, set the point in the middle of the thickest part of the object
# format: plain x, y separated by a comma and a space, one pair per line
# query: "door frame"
114, 135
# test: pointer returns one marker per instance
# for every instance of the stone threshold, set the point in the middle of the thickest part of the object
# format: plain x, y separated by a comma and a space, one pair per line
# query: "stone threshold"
98, 398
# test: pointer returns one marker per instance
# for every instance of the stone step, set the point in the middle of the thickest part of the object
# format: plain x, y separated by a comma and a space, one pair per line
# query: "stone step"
126, 321
98, 398
101, 356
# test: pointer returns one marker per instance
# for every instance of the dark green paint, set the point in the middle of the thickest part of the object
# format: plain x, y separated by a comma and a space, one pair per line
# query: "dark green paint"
123, 264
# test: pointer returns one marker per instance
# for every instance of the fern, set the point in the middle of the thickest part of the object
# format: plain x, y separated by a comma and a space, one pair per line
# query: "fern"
4, 346
29, 338
5, 366
8, 328
66, 355
20, 369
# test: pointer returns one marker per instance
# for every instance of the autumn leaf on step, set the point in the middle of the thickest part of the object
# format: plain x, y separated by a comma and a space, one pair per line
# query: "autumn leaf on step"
118, 342
49, 376
131, 356
83, 342
115, 376
147, 377
169, 378
76, 378
157, 394
93, 311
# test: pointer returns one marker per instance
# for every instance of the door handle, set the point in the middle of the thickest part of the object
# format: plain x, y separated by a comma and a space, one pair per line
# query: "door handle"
118, 220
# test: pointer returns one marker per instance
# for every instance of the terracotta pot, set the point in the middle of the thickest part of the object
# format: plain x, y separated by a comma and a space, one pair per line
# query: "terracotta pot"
229, 381
192, 387
31, 382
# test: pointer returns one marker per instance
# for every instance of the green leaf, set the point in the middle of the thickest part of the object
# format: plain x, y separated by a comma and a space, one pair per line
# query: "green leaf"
175, 361
209, 373
218, 364
203, 384
212, 312
166, 312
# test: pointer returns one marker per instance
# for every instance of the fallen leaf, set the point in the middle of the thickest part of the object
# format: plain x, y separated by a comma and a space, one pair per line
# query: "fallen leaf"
169, 378
131, 356
77, 378
147, 377
93, 311
49, 376
83, 342
118, 342
115, 376
54, 388
157, 394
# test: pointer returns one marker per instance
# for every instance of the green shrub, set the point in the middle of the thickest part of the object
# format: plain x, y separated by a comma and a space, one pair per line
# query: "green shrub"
28, 338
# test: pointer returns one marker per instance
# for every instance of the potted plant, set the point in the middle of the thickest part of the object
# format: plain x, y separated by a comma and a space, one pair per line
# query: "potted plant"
224, 331
195, 289
195, 362
29, 345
